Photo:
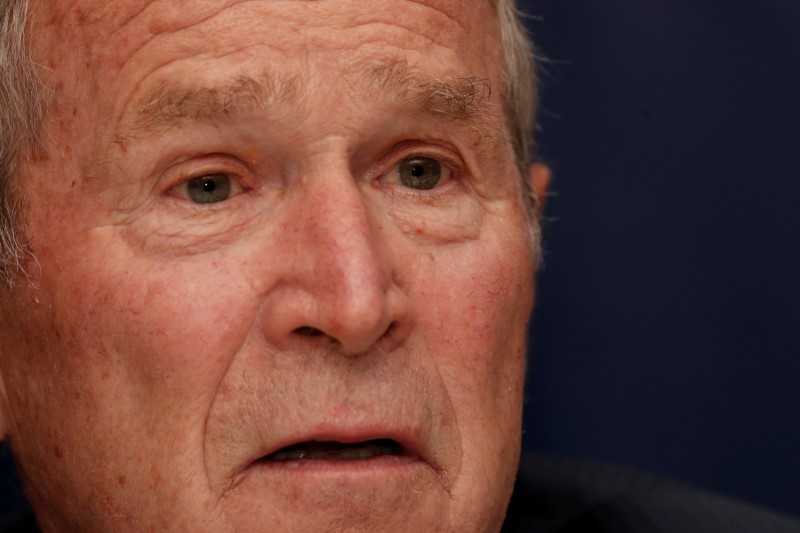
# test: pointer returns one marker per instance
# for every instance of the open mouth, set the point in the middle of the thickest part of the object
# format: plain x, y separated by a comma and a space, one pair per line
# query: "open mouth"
336, 451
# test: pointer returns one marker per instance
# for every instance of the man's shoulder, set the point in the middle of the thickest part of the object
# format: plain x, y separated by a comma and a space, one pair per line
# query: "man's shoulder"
556, 495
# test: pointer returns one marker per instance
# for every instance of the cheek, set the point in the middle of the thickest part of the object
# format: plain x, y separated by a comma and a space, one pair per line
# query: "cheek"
128, 356
119, 350
476, 310
482, 299
169, 329
151, 338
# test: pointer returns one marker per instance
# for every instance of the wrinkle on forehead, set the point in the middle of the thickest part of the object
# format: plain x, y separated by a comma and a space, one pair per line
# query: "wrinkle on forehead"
106, 19
133, 22
111, 13
452, 9
115, 14
103, 52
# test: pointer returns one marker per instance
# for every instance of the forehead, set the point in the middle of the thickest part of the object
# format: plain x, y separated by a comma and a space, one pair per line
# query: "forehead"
96, 20
105, 48
94, 10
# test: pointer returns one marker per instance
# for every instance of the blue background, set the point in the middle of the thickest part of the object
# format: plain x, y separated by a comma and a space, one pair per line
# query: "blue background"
666, 334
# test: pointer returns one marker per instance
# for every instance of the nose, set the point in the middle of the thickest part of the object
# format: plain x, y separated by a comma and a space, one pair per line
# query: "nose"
338, 285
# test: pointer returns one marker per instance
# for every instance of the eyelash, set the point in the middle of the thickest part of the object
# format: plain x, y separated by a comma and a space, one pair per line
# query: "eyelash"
451, 165
203, 169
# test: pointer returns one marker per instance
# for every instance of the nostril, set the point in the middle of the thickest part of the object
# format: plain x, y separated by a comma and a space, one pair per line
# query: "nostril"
356, 341
308, 331
389, 330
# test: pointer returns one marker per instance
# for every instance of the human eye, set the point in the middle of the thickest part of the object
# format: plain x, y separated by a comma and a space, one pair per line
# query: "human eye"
207, 189
418, 172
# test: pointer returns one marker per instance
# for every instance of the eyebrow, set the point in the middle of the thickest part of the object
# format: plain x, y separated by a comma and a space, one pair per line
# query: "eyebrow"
169, 105
464, 98
457, 99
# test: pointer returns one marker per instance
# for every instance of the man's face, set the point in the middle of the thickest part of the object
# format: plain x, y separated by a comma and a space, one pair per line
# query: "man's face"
282, 270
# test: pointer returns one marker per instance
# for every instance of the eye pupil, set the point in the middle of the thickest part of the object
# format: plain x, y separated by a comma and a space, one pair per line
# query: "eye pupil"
209, 189
420, 173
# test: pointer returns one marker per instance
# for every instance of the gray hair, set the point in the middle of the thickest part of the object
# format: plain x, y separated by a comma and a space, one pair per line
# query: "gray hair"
520, 90
21, 112
22, 103
521, 100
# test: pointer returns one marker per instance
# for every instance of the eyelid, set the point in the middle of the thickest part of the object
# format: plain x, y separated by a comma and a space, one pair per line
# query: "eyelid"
452, 166
179, 175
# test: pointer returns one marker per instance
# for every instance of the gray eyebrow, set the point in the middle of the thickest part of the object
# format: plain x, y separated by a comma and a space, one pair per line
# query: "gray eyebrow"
458, 99
170, 106
464, 98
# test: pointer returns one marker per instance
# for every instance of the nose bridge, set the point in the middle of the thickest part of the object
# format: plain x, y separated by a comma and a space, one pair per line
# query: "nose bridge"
345, 273
345, 243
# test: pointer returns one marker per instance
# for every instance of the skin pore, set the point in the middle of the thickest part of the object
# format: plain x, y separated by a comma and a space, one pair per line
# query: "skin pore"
261, 224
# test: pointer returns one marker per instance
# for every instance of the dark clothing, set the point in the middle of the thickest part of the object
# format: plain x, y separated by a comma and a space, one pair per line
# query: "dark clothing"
568, 496
22, 523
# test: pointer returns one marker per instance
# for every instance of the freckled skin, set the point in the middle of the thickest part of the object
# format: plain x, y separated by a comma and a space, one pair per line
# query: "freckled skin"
156, 352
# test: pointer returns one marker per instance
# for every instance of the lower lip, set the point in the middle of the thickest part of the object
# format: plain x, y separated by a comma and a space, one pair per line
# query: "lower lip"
354, 472
379, 462
389, 484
